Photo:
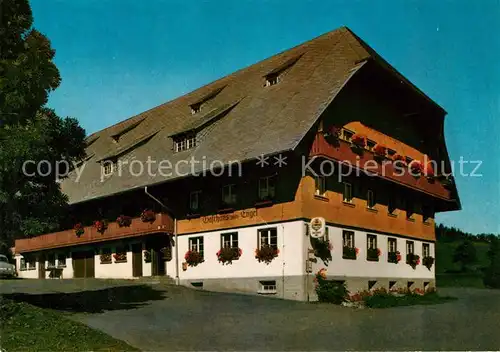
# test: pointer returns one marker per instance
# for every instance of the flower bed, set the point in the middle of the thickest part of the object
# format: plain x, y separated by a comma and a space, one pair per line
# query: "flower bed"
349, 252
266, 254
329, 291
193, 258
412, 260
394, 257
226, 255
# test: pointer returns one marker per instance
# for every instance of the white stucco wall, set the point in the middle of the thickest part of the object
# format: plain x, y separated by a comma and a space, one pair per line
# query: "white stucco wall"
289, 262
361, 267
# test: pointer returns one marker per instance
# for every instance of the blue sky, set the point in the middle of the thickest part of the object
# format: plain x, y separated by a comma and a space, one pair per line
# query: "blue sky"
120, 57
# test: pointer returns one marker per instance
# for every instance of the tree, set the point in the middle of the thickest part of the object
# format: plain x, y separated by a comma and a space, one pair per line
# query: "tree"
465, 254
492, 272
29, 131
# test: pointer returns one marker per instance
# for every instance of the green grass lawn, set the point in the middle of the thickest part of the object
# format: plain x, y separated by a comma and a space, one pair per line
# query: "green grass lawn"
389, 300
28, 328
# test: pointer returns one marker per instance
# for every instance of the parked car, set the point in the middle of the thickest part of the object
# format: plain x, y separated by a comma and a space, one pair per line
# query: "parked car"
6, 269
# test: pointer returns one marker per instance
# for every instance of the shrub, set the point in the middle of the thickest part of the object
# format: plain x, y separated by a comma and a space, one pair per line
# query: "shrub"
428, 262
330, 291
492, 272
266, 253
193, 258
226, 255
412, 260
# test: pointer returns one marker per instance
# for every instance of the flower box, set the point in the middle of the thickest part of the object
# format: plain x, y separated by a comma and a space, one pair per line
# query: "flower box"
148, 216
412, 260
124, 221
416, 168
358, 142
266, 254
428, 262
332, 135
79, 230
350, 252
380, 151
226, 255
105, 258
147, 256
372, 254
100, 226
394, 257
120, 257
193, 258
399, 158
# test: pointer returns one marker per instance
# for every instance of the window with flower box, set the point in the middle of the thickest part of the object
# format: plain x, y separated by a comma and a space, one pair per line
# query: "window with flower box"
410, 247
51, 261
22, 265
194, 201
196, 245
347, 194
320, 186
390, 152
61, 260
229, 240
106, 256
370, 144
229, 195
426, 250
31, 264
121, 254
267, 188
392, 251
268, 237
349, 251
346, 135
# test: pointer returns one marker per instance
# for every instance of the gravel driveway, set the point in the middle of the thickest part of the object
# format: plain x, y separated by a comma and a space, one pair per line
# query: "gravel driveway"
159, 317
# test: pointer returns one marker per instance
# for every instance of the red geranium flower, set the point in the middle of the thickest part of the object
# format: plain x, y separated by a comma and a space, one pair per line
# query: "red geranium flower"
357, 251
398, 157
380, 149
379, 252
359, 140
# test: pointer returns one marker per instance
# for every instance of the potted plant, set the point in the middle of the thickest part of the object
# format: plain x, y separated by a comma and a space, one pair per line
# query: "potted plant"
124, 221
380, 151
394, 257
412, 260
226, 255
428, 262
148, 215
266, 254
193, 258
147, 256
358, 142
372, 254
350, 252
100, 226
79, 230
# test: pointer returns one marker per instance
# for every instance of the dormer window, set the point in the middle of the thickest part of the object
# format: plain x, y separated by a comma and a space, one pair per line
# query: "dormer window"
195, 108
184, 142
271, 80
275, 76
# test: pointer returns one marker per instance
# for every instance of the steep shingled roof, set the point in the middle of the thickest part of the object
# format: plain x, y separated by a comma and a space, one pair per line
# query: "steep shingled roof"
266, 120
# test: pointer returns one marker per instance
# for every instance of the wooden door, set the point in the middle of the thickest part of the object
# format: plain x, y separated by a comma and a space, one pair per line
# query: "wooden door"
78, 264
89, 264
137, 259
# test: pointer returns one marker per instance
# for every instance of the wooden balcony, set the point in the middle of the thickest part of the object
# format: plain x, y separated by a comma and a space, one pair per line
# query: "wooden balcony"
162, 223
342, 152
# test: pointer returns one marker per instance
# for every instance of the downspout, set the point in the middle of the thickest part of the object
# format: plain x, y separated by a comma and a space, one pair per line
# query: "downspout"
177, 280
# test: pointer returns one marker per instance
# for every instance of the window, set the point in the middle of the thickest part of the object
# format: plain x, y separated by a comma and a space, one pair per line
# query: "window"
229, 194
426, 213
272, 79
195, 108
391, 205
194, 200
23, 264
371, 241
51, 261
426, 250
268, 287
121, 254
370, 199
320, 185
392, 246
229, 240
267, 188
196, 244
409, 210
268, 237
392, 284
61, 260
408, 160
105, 256
371, 284
390, 152
346, 135
410, 247
31, 263
347, 192
184, 143
370, 144
107, 168
348, 238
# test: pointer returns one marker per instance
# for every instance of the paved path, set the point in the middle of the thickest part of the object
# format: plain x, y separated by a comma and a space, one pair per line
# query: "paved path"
160, 317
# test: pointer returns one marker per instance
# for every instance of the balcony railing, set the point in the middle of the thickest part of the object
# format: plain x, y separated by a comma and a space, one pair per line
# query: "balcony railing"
162, 223
342, 152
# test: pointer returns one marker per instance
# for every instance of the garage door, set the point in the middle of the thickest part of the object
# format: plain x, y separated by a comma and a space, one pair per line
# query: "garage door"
83, 264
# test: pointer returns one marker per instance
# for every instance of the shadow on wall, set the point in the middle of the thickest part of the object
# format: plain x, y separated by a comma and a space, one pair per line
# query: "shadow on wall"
115, 298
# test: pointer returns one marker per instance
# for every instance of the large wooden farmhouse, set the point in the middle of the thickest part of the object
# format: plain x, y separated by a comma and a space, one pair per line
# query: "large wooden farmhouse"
323, 156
